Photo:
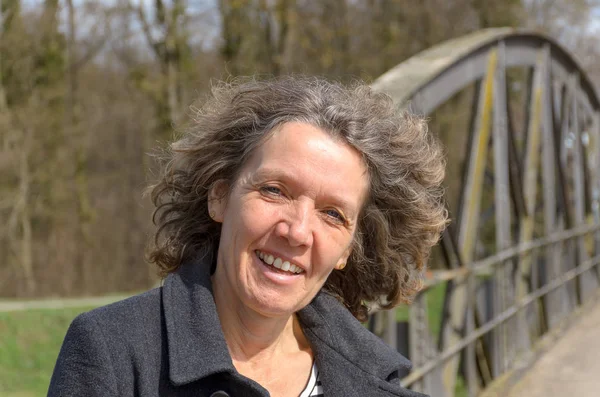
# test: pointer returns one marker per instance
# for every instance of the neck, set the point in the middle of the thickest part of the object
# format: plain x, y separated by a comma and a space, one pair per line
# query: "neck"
252, 337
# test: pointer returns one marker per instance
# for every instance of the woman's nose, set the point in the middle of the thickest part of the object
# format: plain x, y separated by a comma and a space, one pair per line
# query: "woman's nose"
296, 228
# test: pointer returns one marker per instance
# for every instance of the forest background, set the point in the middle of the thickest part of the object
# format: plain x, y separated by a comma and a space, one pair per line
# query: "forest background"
89, 88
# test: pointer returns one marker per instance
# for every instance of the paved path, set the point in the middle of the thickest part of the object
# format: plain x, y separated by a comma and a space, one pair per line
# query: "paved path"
571, 367
12, 306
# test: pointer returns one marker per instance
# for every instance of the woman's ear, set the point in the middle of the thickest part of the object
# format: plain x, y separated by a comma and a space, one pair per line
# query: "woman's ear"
217, 200
343, 261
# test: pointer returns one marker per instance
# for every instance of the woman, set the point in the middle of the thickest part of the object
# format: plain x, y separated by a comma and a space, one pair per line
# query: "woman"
287, 208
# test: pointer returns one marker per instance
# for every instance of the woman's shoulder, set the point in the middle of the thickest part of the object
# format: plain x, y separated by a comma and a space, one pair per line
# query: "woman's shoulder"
104, 346
144, 302
348, 354
330, 323
125, 321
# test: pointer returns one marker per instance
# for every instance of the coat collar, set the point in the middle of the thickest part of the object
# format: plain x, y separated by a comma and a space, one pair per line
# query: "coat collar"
359, 363
350, 358
193, 328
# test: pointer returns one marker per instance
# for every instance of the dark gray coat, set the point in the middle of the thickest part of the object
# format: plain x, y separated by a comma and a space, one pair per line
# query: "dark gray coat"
169, 342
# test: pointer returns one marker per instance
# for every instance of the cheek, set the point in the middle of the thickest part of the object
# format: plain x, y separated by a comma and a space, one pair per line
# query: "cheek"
256, 218
338, 239
332, 246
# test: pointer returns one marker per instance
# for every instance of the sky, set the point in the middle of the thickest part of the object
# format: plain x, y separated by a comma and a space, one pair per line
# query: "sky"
205, 34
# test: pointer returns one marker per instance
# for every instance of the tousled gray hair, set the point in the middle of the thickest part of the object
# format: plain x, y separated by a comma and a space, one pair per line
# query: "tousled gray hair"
403, 215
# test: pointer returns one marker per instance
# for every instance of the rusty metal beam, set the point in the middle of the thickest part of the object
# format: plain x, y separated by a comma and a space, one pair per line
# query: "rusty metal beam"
549, 161
531, 165
470, 210
585, 283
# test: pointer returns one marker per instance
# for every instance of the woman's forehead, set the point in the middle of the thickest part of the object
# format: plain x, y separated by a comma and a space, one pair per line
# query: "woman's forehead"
308, 157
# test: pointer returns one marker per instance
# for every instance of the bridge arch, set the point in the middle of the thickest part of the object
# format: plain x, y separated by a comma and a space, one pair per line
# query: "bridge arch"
541, 182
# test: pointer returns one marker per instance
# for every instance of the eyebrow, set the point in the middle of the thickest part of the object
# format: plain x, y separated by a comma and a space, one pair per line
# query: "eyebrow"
268, 173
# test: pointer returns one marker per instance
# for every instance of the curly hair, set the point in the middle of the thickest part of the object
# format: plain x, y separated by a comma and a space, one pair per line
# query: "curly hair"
402, 217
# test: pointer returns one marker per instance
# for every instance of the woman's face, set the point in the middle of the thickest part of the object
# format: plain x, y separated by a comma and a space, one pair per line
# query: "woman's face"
288, 221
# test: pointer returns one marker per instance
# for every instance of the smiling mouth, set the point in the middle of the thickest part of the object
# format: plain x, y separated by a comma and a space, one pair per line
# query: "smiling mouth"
278, 263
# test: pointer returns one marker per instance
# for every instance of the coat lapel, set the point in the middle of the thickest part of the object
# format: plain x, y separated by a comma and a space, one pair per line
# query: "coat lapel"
196, 343
351, 360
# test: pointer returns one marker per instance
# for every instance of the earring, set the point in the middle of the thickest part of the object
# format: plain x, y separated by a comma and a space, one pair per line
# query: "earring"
212, 214
341, 266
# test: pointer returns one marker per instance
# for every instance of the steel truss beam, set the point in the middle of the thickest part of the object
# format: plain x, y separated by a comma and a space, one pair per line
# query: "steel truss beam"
549, 187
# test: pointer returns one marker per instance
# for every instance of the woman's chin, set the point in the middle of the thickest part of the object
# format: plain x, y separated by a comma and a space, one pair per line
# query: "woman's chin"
273, 303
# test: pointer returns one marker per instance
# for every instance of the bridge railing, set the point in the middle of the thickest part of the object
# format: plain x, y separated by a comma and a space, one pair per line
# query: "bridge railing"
512, 338
522, 251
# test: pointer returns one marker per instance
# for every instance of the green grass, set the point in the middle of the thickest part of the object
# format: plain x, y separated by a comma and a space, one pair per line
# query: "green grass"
29, 344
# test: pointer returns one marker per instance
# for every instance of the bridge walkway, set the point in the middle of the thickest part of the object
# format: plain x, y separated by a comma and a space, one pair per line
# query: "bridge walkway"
569, 368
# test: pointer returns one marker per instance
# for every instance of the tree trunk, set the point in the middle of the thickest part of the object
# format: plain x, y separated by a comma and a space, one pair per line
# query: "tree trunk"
26, 236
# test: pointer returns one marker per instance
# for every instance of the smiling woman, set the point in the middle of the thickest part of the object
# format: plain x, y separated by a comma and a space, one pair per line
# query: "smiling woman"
296, 200
285, 210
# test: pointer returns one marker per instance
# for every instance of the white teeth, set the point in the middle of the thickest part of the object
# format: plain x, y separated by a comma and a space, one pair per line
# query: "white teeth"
278, 263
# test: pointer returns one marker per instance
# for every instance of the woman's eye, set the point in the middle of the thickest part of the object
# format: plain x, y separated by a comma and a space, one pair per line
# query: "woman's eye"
271, 190
335, 215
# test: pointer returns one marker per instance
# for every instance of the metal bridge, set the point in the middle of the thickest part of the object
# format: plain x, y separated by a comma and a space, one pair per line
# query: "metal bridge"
521, 256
